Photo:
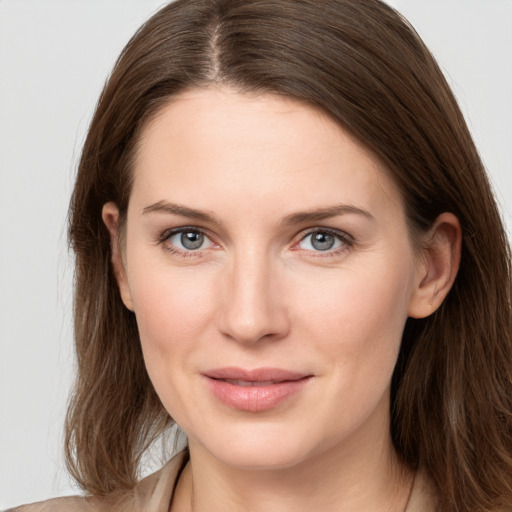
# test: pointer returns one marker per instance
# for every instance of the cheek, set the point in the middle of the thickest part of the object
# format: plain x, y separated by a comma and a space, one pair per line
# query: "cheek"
356, 324
171, 308
358, 299
357, 318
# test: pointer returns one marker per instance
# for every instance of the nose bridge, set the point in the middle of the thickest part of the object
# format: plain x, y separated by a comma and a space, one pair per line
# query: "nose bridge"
252, 308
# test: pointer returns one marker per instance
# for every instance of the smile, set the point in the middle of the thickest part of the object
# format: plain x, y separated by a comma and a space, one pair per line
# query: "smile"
254, 390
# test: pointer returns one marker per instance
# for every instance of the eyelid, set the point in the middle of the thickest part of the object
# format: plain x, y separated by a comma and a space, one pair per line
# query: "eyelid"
164, 237
346, 240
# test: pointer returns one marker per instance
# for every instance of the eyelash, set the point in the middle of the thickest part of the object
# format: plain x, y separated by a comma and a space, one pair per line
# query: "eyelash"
345, 239
166, 235
347, 242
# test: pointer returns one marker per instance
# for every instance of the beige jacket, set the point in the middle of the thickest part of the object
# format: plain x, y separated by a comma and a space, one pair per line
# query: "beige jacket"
155, 492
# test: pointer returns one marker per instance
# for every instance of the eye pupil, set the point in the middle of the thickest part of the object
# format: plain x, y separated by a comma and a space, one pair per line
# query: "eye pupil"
322, 241
192, 239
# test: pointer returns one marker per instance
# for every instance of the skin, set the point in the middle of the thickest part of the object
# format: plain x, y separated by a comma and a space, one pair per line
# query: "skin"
259, 293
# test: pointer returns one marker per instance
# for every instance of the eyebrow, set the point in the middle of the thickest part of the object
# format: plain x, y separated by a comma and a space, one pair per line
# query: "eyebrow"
292, 219
183, 211
325, 213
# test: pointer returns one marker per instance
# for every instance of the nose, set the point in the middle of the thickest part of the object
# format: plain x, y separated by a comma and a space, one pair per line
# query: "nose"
253, 301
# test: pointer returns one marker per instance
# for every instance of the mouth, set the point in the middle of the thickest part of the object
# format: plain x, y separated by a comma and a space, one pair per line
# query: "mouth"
248, 383
256, 390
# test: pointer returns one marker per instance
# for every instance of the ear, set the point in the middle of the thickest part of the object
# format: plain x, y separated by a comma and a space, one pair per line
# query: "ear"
437, 266
110, 216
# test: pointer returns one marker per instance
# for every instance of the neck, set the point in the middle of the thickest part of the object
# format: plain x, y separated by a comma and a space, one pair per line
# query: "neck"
338, 479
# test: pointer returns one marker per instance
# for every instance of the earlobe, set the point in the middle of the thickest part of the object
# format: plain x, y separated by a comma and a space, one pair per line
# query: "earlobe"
438, 266
110, 216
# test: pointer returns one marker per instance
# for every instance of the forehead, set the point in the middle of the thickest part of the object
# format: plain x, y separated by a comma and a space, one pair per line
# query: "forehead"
210, 143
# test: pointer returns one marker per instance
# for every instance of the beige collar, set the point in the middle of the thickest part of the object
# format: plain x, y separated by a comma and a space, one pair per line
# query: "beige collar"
155, 493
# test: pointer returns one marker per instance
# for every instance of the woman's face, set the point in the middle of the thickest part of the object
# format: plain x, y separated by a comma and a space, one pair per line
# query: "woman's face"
268, 262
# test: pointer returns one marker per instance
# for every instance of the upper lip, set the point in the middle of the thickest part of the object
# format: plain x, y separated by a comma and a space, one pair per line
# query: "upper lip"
255, 375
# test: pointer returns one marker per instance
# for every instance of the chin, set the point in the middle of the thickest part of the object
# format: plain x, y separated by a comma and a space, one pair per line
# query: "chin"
258, 458
262, 447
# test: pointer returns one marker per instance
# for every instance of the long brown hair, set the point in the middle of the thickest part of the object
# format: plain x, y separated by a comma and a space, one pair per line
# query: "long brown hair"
361, 63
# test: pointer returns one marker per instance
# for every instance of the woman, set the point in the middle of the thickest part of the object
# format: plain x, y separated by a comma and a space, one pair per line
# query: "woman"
286, 243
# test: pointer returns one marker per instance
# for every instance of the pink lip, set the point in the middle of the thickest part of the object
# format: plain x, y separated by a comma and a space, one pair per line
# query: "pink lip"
272, 386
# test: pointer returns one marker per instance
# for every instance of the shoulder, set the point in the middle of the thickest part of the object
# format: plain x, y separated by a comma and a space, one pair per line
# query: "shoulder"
69, 504
155, 492
151, 494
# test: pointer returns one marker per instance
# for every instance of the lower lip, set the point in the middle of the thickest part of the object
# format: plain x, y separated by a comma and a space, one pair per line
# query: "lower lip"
255, 398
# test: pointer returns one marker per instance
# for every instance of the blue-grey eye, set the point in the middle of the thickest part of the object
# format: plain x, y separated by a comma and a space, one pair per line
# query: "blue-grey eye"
192, 240
189, 240
320, 241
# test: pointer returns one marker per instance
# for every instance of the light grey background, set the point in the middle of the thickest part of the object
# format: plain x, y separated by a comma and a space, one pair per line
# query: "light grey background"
54, 58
